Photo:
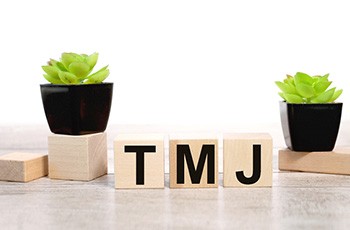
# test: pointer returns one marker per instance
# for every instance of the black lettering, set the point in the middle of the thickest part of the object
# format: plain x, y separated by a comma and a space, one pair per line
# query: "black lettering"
256, 168
183, 151
140, 160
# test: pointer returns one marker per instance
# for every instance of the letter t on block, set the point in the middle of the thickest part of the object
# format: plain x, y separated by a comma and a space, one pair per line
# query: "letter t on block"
193, 162
247, 160
139, 161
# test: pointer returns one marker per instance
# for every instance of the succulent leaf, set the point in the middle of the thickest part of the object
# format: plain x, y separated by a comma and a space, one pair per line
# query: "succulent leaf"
92, 60
336, 95
74, 69
324, 97
68, 58
289, 81
293, 98
52, 79
57, 64
322, 86
68, 78
305, 90
282, 95
325, 76
303, 78
79, 69
51, 71
286, 88
98, 77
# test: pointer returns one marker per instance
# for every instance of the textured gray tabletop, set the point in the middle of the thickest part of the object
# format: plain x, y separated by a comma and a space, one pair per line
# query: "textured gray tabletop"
296, 200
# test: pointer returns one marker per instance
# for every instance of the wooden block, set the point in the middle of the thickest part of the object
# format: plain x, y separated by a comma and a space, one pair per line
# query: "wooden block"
193, 161
23, 167
247, 160
334, 162
139, 161
82, 157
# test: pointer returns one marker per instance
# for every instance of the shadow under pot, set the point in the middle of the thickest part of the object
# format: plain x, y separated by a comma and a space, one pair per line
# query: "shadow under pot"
310, 127
77, 109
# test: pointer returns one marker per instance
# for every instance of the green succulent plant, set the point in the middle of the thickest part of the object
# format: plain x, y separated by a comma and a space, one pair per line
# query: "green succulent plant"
303, 88
74, 69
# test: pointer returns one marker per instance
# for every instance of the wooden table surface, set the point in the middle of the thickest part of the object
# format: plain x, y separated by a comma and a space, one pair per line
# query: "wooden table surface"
296, 200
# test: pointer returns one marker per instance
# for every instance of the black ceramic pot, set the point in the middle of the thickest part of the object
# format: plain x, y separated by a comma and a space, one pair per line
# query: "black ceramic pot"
310, 127
77, 109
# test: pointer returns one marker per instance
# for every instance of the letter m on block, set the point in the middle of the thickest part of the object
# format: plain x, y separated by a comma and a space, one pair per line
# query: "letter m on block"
184, 152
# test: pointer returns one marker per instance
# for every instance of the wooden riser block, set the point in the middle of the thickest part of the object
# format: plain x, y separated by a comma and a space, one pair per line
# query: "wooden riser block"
82, 157
193, 161
248, 160
23, 167
334, 162
139, 161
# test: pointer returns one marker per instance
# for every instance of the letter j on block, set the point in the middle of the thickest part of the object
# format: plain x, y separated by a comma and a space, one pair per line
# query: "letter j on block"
247, 160
193, 162
139, 161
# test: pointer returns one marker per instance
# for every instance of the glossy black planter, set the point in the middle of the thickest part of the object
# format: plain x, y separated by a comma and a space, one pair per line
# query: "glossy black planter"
310, 127
77, 109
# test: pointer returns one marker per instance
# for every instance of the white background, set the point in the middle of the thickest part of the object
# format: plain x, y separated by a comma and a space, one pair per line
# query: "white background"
175, 62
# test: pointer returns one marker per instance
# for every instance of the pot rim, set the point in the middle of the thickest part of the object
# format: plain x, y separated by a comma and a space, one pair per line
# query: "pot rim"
312, 104
75, 85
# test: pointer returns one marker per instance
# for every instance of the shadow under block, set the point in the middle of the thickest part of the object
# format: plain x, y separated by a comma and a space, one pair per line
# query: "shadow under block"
334, 162
248, 160
82, 157
23, 167
139, 161
193, 161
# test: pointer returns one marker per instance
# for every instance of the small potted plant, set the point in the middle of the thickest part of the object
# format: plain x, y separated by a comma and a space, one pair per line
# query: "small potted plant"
309, 116
76, 102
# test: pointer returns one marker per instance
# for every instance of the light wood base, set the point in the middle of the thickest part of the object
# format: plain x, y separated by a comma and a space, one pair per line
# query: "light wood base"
240, 152
335, 162
139, 161
81, 157
23, 167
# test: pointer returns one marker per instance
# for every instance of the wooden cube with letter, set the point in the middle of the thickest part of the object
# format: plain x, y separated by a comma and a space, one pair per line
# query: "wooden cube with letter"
82, 157
23, 167
139, 161
193, 161
247, 160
